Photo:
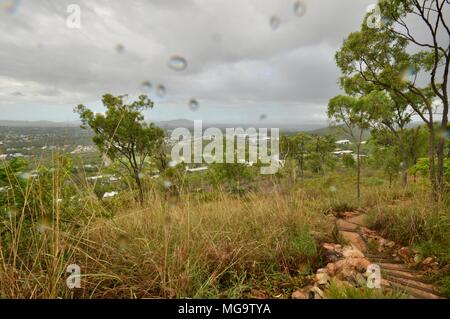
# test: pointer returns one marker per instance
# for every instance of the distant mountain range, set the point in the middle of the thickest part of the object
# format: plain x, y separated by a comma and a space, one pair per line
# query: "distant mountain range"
173, 124
314, 128
42, 124
170, 125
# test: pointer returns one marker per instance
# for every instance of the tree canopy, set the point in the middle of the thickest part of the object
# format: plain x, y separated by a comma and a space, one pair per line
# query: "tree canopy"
123, 135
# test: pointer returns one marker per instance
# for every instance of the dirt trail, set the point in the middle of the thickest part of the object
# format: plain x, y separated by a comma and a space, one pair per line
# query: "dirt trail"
397, 276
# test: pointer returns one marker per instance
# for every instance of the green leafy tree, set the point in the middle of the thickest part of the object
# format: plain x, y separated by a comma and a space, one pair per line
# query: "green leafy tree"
122, 134
389, 119
295, 147
235, 177
384, 156
380, 58
422, 167
433, 57
350, 114
348, 161
319, 153
415, 144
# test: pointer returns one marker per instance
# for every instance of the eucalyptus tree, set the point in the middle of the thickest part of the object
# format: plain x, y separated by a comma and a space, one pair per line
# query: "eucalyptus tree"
122, 134
319, 152
351, 115
390, 117
410, 67
295, 147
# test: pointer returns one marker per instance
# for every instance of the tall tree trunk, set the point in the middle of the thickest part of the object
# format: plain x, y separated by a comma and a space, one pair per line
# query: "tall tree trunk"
431, 156
139, 184
404, 177
403, 165
440, 165
440, 151
358, 177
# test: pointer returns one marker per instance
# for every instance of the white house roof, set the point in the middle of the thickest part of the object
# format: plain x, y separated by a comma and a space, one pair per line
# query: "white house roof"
342, 152
343, 142
198, 169
110, 194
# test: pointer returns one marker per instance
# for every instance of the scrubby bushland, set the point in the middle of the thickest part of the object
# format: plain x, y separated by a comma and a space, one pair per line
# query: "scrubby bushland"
413, 221
193, 239
184, 245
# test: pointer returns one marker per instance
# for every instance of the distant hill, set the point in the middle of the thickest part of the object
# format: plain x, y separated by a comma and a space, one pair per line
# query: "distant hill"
336, 131
42, 124
173, 124
170, 125
330, 130
283, 127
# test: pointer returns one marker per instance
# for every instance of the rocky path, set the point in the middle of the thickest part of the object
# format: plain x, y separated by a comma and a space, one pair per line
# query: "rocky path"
396, 274
350, 265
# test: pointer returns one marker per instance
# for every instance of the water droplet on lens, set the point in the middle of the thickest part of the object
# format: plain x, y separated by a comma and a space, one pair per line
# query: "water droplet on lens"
120, 48
173, 202
9, 6
194, 105
274, 22
411, 73
172, 164
44, 224
147, 85
161, 90
123, 242
178, 63
216, 37
25, 176
10, 214
167, 184
263, 117
386, 20
299, 8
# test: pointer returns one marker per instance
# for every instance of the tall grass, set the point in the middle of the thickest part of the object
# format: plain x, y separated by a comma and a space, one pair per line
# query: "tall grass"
411, 219
203, 244
184, 246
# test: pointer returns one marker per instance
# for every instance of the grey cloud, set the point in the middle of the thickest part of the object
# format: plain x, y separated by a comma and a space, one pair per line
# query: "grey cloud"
234, 56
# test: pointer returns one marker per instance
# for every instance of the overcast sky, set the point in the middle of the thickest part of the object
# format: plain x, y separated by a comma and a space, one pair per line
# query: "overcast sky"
239, 67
